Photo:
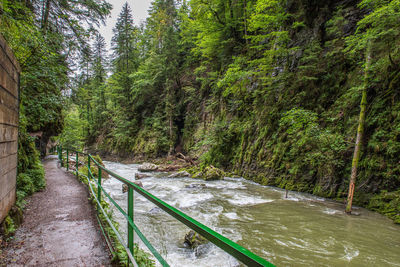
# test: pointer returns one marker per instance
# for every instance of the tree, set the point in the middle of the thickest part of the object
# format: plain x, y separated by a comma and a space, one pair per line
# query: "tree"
376, 35
44, 36
97, 85
360, 132
124, 42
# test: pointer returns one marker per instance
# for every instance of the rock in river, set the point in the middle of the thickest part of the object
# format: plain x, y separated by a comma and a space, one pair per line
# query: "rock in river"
155, 210
195, 186
179, 174
139, 176
147, 167
210, 173
193, 240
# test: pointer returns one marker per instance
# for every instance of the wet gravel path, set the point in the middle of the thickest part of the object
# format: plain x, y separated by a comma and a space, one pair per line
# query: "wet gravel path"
60, 227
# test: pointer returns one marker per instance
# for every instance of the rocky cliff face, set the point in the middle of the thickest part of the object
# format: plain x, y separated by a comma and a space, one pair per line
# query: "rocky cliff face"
299, 132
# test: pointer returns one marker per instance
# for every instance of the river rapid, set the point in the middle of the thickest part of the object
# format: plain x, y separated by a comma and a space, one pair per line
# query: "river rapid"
301, 230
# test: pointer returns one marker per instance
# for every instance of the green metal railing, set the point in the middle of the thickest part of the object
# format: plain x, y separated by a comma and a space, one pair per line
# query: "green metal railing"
237, 251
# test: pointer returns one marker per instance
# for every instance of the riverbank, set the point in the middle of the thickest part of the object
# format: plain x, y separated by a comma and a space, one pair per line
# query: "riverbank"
166, 163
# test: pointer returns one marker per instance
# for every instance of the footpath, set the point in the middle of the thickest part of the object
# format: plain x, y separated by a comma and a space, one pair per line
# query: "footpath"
60, 227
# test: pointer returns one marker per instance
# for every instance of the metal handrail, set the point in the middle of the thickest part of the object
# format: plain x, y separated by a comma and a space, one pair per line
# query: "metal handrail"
237, 251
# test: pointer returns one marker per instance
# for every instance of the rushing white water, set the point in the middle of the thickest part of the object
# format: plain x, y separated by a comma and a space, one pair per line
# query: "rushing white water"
301, 230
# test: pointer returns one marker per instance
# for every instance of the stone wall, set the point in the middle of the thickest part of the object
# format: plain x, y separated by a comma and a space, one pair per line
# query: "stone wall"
9, 107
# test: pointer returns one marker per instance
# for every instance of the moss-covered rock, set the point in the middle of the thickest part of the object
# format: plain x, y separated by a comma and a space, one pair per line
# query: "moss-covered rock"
211, 173
194, 240
208, 173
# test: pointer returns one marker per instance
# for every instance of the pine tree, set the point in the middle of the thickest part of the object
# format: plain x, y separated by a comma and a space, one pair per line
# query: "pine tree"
125, 62
124, 42
98, 84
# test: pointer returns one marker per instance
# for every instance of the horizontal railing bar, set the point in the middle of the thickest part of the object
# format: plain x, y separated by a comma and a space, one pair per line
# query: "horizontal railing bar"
141, 236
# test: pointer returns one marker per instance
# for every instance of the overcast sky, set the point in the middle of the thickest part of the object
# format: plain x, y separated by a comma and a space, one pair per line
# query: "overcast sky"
139, 11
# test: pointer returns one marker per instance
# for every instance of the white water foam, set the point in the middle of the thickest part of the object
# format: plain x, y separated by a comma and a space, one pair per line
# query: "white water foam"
189, 200
350, 253
331, 211
246, 200
292, 196
231, 215
224, 184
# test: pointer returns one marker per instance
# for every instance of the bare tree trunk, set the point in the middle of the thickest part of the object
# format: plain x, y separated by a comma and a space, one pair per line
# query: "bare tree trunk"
45, 18
171, 146
245, 21
360, 132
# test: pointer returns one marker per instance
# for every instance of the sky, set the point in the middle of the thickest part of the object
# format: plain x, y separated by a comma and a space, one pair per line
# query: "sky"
139, 10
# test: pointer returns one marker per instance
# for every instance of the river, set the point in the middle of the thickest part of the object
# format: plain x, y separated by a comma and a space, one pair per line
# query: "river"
301, 230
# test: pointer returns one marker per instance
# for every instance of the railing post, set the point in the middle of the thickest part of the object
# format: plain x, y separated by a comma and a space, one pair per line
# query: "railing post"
67, 159
98, 187
77, 163
88, 166
130, 215
61, 157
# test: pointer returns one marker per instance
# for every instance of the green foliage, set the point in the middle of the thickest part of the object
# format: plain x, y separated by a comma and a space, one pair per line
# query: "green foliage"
298, 119
224, 140
30, 170
8, 226
387, 203
74, 134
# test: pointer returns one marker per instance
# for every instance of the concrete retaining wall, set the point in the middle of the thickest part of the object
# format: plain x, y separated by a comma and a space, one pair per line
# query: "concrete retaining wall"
9, 107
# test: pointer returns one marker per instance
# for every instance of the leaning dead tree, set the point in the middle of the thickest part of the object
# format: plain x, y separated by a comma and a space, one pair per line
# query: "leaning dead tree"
360, 132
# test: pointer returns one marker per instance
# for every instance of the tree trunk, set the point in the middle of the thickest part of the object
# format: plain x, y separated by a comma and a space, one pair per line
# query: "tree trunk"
360, 132
245, 21
171, 146
45, 18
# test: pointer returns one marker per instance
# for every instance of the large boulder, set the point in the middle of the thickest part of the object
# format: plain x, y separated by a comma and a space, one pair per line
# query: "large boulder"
179, 174
147, 167
211, 173
193, 240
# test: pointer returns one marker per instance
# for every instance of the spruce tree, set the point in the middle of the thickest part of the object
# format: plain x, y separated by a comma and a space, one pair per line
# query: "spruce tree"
123, 42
